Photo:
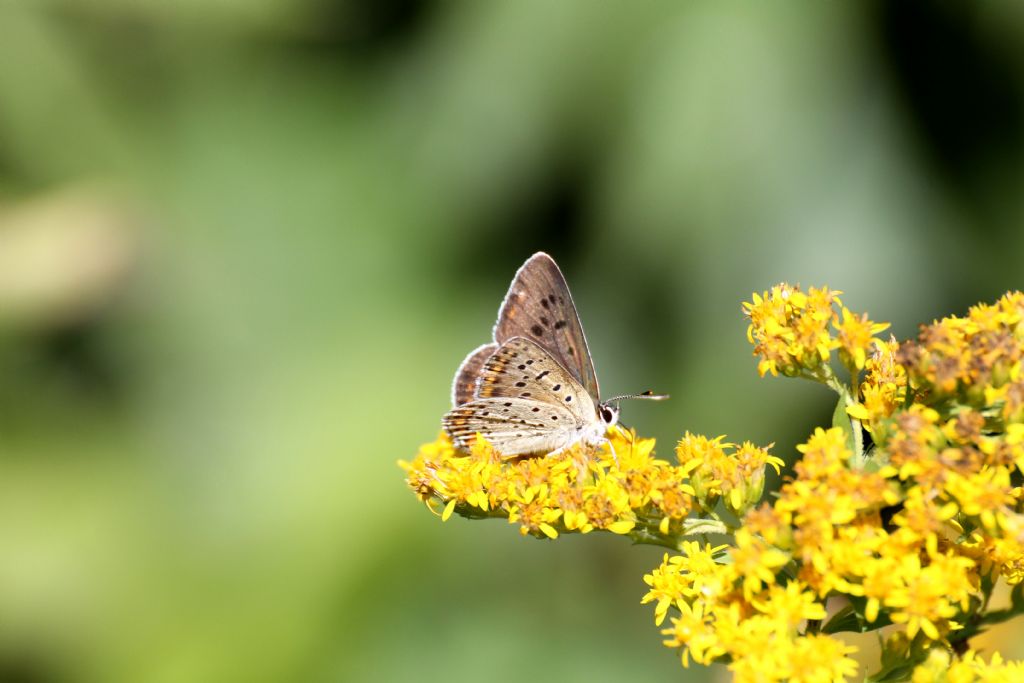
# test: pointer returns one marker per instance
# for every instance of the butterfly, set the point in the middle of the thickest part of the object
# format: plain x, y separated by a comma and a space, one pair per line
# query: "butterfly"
533, 389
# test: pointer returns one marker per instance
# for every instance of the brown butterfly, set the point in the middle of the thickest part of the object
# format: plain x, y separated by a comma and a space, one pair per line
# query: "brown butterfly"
533, 389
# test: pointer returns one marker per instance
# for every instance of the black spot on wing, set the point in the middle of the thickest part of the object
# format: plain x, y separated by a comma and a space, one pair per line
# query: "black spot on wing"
537, 330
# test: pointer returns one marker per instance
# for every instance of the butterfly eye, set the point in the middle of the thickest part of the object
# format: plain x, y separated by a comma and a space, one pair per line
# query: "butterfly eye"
607, 415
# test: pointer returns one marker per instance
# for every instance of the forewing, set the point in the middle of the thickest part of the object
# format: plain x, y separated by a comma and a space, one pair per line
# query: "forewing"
520, 368
464, 384
514, 426
538, 306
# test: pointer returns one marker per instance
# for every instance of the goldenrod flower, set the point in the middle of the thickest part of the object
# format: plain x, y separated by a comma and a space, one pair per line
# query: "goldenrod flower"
928, 596
625, 491
791, 605
883, 388
856, 336
746, 483
725, 470
756, 562
790, 329
696, 634
697, 572
970, 668
820, 659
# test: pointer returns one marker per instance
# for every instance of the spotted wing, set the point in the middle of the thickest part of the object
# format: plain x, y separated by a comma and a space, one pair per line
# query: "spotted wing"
514, 426
464, 383
538, 306
520, 368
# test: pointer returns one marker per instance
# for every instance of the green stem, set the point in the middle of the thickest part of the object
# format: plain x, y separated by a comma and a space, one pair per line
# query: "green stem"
849, 396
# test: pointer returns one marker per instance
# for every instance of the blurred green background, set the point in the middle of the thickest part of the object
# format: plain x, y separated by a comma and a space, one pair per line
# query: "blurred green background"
244, 245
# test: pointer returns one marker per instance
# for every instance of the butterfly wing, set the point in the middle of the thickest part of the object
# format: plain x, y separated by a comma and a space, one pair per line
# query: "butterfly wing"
525, 402
514, 426
521, 368
538, 306
464, 384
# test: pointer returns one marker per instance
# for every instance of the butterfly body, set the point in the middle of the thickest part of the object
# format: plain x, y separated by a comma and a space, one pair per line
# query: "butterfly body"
534, 389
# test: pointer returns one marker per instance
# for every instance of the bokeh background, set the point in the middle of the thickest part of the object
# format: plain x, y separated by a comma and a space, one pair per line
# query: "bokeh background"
244, 245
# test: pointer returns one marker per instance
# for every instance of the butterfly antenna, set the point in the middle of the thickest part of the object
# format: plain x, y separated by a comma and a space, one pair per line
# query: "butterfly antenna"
649, 395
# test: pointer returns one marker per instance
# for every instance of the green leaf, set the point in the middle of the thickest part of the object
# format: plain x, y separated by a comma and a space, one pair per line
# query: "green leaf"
896, 673
695, 526
851, 618
898, 660
845, 619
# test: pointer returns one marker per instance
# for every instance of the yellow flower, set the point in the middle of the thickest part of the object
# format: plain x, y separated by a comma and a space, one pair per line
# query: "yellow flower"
820, 659
985, 494
756, 562
708, 463
695, 634
725, 470
1006, 551
790, 329
790, 605
930, 594
759, 651
572, 491
694, 573
745, 482
606, 505
884, 386
770, 523
974, 356
967, 669
856, 335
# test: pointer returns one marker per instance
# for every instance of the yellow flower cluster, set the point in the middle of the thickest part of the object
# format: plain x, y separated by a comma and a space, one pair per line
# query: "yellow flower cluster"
970, 668
883, 388
845, 544
628, 492
974, 360
914, 532
732, 606
725, 471
960, 444
795, 333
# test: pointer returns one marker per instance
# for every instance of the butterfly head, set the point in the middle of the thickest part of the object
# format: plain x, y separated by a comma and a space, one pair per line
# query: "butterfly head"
609, 414
609, 410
